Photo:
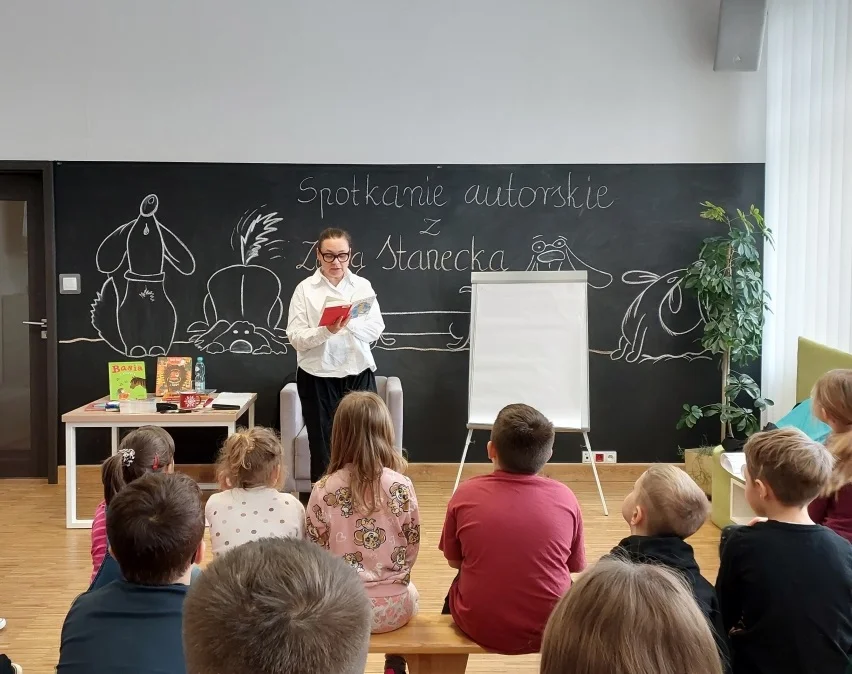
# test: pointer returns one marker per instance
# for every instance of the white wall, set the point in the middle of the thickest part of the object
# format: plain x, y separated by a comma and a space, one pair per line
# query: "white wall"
478, 81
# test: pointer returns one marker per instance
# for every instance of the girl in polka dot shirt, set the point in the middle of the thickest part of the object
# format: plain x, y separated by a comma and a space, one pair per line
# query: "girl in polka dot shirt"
250, 472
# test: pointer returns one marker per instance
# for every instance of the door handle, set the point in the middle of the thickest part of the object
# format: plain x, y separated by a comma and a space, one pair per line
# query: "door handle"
42, 323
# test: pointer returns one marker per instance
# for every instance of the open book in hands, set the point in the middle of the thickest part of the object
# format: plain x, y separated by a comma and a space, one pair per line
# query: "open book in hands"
334, 309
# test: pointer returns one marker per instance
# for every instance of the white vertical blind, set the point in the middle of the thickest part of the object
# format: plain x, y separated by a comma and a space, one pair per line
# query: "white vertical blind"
808, 185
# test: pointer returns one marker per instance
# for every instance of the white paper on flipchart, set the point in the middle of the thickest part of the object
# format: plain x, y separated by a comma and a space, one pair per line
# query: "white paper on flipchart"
530, 346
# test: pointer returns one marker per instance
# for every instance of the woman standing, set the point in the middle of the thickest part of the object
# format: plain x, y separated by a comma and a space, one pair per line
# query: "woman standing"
336, 359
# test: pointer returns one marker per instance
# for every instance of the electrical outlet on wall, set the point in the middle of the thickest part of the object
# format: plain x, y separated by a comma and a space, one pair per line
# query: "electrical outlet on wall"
600, 457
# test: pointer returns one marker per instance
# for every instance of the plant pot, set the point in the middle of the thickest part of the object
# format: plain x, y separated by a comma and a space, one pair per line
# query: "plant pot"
699, 466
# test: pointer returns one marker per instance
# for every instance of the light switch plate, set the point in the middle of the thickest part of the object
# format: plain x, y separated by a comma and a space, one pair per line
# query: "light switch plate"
69, 284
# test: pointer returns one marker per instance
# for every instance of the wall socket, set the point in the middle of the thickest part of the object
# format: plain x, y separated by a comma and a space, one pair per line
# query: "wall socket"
600, 457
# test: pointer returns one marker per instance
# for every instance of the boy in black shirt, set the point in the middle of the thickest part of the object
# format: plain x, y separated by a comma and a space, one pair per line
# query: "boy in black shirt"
155, 527
785, 584
664, 508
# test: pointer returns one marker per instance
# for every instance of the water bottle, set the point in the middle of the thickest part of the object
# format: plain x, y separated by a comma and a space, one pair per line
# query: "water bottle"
200, 375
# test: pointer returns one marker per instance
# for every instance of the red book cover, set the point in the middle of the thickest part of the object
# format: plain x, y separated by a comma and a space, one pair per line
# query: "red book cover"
333, 313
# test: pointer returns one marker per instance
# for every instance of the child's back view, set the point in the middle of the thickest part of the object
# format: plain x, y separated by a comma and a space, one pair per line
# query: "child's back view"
832, 404
626, 618
365, 509
514, 536
156, 532
785, 584
147, 449
250, 470
304, 612
664, 508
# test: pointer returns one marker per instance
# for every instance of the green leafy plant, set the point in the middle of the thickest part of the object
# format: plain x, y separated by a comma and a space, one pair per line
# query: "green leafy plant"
727, 280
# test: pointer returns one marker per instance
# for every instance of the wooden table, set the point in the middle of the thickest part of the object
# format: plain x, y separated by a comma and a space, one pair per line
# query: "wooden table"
87, 418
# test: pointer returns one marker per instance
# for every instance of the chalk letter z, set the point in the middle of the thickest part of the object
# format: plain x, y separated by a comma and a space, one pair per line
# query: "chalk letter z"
428, 230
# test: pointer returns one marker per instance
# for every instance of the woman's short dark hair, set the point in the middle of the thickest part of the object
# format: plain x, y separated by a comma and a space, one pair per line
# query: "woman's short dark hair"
333, 233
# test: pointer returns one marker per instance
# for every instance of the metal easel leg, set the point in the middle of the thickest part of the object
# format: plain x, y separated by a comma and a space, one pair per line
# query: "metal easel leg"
464, 456
595, 472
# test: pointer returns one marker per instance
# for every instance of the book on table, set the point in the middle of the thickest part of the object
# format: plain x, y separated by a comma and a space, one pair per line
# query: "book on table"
230, 401
174, 374
127, 381
335, 309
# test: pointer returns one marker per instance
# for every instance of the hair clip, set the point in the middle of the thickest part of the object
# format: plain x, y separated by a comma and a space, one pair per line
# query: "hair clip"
156, 463
127, 456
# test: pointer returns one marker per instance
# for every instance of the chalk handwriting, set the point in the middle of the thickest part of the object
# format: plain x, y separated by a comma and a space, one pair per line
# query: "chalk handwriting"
356, 264
394, 256
582, 195
370, 194
432, 222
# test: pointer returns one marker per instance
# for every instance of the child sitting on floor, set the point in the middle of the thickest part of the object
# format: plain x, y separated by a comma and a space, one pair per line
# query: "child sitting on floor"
515, 537
155, 527
626, 618
664, 508
364, 509
785, 584
144, 450
832, 404
250, 471
304, 612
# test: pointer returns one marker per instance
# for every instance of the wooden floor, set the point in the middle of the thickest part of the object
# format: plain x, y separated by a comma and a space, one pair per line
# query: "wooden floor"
44, 566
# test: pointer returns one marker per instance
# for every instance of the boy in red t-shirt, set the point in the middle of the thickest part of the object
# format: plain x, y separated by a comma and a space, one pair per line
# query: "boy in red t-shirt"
515, 538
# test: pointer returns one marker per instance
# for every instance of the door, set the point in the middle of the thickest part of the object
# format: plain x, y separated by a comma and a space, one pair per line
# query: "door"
23, 327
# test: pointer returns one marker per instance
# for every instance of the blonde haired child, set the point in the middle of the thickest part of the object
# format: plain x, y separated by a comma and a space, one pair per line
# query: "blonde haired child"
784, 583
665, 508
364, 509
628, 618
250, 470
832, 404
147, 449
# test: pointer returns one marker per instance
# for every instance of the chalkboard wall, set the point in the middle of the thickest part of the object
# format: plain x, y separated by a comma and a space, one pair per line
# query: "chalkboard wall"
235, 239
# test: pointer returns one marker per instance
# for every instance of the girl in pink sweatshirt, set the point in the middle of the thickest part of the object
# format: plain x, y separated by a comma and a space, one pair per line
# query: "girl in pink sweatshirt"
364, 509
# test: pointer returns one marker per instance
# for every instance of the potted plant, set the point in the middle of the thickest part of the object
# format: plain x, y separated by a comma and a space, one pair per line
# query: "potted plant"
727, 280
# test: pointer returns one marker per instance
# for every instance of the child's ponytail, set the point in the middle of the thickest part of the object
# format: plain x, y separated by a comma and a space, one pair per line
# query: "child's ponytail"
250, 458
832, 403
840, 445
112, 475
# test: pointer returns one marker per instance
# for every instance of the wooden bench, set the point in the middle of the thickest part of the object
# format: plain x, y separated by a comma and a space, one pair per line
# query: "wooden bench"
431, 644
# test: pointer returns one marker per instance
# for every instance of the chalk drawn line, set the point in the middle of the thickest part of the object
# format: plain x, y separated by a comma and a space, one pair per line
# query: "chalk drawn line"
230, 323
132, 311
552, 255
661, 296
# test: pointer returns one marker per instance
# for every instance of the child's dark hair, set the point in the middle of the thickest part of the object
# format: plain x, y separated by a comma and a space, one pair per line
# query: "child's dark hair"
148, 449
251, 458
154, 527
523, 438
